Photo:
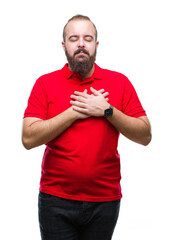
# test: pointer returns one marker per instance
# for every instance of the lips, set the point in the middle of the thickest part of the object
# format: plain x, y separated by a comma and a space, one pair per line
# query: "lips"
81, 52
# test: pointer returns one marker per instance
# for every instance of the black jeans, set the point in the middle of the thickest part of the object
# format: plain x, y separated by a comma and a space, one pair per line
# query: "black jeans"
63, 219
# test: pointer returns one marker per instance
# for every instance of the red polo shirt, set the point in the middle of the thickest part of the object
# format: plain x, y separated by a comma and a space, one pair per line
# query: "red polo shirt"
82, 163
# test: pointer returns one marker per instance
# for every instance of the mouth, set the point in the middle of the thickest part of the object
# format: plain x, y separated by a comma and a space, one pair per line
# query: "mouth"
81, 52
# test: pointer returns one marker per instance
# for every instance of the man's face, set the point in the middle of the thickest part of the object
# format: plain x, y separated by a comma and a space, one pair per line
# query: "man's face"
80, 45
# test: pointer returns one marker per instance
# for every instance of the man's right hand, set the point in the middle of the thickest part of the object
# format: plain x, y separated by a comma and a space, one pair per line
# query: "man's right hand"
36, 131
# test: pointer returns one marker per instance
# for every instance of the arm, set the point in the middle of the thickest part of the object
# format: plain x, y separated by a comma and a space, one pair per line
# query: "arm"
37, 131
136, 129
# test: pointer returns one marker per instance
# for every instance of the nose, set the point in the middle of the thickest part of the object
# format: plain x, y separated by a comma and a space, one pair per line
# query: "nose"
81, 43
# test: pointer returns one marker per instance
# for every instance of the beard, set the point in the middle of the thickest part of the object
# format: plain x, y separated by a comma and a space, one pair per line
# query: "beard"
82, 64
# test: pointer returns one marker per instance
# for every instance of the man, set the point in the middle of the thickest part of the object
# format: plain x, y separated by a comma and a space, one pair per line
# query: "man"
78, 112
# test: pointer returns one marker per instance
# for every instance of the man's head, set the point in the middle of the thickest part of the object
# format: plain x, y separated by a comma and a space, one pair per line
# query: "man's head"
80, 43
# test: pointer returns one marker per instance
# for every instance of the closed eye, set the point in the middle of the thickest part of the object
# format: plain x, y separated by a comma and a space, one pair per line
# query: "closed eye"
88, 38
73, 38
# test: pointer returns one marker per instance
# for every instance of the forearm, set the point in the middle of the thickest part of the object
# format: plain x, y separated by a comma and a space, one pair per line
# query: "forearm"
135, 129
37, 132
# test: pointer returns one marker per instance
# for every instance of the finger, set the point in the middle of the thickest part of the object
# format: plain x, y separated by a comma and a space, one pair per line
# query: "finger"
78, 104
105, 94
95, 92
85, 91
82, 94
77, 98
81, 110
107, 99
101, 90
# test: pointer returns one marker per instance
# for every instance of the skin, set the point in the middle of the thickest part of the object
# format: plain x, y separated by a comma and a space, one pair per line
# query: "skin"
81, 34
135, 129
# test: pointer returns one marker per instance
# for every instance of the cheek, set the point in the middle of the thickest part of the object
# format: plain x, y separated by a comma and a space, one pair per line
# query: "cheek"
70, 48
91, 50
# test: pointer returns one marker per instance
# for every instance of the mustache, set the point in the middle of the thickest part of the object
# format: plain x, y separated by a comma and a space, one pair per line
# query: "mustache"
81, 49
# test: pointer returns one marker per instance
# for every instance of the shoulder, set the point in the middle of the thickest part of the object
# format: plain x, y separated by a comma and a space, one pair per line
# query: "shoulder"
114, 76
45, 82
49, 76
48, 81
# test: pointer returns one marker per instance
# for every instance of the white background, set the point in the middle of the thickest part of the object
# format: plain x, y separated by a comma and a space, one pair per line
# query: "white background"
135, 39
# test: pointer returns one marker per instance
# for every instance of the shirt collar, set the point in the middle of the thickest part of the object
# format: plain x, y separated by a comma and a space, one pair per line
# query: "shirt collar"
98, 73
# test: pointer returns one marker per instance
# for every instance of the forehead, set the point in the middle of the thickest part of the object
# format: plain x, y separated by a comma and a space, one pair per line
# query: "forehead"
80, 27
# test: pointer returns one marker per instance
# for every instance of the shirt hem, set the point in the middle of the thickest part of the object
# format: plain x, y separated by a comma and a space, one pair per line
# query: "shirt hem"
78, 198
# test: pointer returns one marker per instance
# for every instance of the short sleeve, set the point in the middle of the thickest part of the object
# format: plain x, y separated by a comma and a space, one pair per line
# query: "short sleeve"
131, 104
37, 102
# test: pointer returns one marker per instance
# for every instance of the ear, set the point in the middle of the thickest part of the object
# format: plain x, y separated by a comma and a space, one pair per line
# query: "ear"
63, 45
97, 44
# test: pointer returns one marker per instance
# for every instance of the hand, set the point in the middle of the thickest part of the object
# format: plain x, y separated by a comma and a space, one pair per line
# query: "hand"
91, 105
78, 114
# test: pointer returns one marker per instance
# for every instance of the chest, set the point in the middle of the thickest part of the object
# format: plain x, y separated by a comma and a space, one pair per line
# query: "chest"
58, 96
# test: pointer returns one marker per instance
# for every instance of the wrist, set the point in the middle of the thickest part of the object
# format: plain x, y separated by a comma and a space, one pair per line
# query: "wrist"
108, 112
73, 114
105, 106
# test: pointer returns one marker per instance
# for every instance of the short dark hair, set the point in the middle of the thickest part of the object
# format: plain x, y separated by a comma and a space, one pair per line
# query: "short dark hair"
79, 17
